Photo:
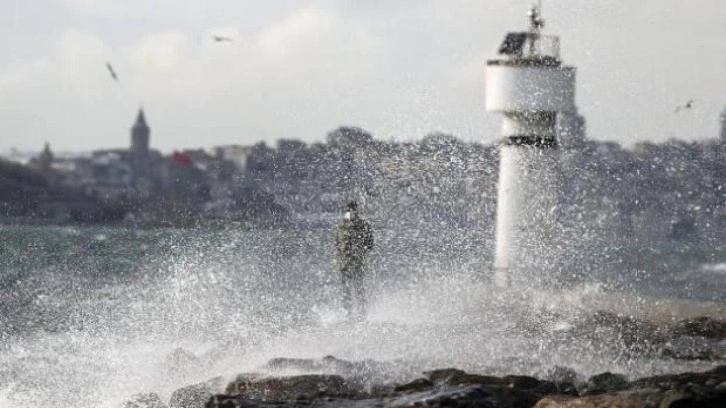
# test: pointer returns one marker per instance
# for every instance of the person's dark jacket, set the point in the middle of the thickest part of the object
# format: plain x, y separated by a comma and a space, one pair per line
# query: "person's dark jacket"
353, 240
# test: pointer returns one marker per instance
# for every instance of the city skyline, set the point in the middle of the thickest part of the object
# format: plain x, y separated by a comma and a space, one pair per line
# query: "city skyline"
300, 69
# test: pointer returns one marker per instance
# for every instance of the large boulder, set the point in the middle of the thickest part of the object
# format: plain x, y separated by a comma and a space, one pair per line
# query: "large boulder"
707, 389
309, 386
361, 372
669, 381
227, 401
456, 388
605, 382
564, 378
693, 348
197, 395
462, 396
454, 376
633, 334
417, 385
560, 374
701, 326
466, 396
672, 398
293, 364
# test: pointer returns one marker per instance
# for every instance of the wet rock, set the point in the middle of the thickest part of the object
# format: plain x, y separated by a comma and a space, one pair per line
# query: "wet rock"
362, 372
226, 401
559, 374
623, 399
456, 388
414, 386
605, 382
145, 400
670, 381
565, 380
633, 334
337, 364
550, 388
692, 348
453, 376
296, 387
566, 389
701, 326
379, 391
449, 387
523, 382
444, 375
671, 398
455, 396
466, 396
462, 396
328, 364
195, 396
293, 364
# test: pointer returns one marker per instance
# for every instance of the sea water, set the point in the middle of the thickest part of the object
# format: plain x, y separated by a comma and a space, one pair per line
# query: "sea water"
91, 316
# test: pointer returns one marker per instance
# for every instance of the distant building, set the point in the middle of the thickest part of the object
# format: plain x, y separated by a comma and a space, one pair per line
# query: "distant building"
139, 158
723, 125
234, 153
44, 161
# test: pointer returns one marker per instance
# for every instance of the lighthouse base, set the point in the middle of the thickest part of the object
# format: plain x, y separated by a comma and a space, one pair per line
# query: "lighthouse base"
527, 236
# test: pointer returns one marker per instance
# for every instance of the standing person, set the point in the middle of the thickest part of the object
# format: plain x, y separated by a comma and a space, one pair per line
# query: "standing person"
353, 241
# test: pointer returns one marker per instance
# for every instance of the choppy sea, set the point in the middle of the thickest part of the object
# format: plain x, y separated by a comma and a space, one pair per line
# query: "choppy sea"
91, 316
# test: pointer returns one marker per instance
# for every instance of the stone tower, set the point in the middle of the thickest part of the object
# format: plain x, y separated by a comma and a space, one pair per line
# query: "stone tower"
45, 159
139, 158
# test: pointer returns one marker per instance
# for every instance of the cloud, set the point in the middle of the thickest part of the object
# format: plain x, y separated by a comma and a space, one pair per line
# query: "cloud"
15, 77
78, 55
298, 32
153, 11
102, 7
311, 66
160, 53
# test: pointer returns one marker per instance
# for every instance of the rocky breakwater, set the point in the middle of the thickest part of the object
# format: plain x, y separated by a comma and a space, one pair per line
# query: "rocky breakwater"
332, 382
456, 388
446, 387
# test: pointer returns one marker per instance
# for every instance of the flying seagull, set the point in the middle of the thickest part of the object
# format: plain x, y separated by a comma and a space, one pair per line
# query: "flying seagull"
219, 38
688, 105
111, 71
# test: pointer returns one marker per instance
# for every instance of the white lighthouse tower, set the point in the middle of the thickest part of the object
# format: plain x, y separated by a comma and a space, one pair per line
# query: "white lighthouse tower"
531, 87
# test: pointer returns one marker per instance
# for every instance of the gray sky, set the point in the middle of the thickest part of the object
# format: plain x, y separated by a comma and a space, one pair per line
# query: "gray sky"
398, 68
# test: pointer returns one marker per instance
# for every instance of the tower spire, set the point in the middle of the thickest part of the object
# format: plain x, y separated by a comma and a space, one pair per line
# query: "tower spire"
139, 151
141, 118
